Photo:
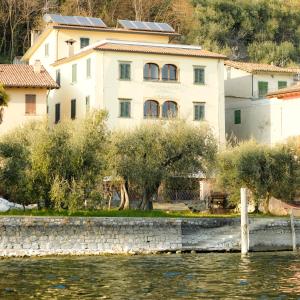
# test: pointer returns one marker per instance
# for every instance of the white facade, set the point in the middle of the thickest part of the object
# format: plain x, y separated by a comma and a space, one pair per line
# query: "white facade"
104, 90
14, 114
250, 116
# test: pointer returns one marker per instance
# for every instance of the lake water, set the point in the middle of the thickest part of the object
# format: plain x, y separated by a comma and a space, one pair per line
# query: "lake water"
168, 277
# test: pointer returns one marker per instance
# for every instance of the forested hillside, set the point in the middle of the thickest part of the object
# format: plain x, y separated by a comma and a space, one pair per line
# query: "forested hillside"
257, 30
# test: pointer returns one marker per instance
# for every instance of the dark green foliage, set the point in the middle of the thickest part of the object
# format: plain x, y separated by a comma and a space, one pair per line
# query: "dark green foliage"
261, 31
266, 172
150, 154
59, 167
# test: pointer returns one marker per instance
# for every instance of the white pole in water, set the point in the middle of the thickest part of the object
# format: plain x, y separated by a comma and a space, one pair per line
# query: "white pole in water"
244, 222
293, 231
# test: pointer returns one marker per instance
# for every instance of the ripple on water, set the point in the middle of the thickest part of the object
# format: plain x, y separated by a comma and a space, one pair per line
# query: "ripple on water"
201, 276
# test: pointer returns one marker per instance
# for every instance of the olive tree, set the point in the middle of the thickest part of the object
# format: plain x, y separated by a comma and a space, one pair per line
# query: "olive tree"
265, 171
60, 167
4, 98
152, 152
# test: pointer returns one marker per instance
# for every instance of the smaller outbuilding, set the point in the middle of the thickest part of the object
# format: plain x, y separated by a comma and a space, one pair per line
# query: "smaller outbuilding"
27, 87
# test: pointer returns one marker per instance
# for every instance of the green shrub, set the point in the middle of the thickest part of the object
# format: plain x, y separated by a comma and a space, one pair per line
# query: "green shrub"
59, 167
265, 171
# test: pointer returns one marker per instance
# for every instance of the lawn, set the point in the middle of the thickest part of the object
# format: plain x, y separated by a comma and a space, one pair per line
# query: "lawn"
116, 213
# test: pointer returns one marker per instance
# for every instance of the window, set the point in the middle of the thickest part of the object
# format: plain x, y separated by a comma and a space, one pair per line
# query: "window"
87, 104
125, 108
88, 68
169, 72
169, 109
151, 109
84, 42
57, 113
262, 89
199, 75
58, 77
30, 104
151, 71
199, 111
47, 49
74, 73
73, 109
125, 71
237, 117
282, 84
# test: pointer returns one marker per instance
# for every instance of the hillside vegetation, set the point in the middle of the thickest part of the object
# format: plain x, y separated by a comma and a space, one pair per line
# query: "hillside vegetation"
261, 30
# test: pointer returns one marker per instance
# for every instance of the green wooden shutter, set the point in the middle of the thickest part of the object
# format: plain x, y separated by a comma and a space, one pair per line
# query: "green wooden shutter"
73, 109
237, 117
262, 89
282, 84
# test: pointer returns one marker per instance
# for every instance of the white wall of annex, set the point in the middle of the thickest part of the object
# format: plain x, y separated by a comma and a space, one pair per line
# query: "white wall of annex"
268, 121
14, 114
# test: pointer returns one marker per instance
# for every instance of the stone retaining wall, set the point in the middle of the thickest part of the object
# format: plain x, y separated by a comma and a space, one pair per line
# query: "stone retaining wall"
36, 236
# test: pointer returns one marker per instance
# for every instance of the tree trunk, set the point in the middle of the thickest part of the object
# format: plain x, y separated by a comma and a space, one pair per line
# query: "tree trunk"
147, 202
266, 204
124, 204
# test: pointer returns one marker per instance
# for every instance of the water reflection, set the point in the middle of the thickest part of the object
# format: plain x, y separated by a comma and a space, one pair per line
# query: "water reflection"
186, 276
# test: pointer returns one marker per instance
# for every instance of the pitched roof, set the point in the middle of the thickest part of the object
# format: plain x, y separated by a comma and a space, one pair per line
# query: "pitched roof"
24, 76
285, 92
143, 47
254, 67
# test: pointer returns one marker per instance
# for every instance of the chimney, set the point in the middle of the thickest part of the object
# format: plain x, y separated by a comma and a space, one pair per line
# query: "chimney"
34, 35
37, 67
70, 43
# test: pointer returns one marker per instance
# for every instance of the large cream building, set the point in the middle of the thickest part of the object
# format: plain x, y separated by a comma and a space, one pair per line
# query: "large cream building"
134, 72
249, 111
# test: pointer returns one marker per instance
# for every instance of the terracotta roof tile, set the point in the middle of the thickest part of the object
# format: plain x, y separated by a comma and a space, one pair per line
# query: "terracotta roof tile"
285, 92
158, 50
24, 76
254, 67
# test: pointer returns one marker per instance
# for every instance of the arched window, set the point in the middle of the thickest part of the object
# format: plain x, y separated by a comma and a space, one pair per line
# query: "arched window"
169, 109
151, 71
169, 72
151, 109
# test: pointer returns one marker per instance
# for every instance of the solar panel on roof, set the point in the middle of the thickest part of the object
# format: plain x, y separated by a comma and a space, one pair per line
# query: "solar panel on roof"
74, 20
149, 26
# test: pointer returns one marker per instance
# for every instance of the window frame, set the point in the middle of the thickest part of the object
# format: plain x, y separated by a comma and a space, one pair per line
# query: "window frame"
73, 109
128, 102
84, 39
237, 117
260, 83
280, 82
46, 50
88, 68
58, 76
146, 115
149, 78
74, 73
30, 104
168, 102
199, 104
169, 72
57, 113
124, 63
87, 104
197, 68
